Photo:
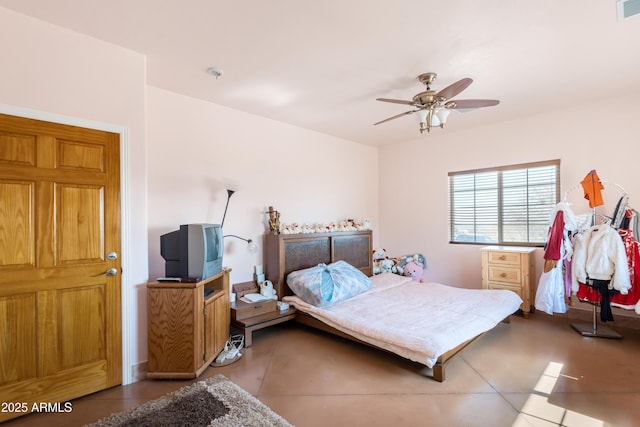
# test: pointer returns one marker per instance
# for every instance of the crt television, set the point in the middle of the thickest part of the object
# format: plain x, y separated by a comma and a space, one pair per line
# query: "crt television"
195, 250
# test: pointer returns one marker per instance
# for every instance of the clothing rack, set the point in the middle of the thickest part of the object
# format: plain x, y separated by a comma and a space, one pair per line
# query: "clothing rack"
592, 329
604, 183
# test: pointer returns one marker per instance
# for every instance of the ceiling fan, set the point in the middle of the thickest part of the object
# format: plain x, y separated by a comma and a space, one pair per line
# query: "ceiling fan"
433, 107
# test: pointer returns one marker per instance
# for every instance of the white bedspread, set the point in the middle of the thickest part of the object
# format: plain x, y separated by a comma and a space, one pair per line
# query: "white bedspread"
418, 321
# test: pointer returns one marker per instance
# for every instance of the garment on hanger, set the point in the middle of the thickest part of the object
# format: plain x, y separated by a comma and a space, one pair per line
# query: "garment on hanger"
551, 294
592, 189
599, 254
600, 267
619, 212
602, 287
552, 252
631, 300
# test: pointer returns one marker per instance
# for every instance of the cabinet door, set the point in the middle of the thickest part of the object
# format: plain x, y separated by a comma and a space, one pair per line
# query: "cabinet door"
221, 326
173, 322
210, 345
216, 330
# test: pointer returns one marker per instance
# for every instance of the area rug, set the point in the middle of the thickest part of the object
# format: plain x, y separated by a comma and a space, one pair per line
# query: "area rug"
215, 401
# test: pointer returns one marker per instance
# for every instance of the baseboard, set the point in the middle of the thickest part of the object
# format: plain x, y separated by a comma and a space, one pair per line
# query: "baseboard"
139, 372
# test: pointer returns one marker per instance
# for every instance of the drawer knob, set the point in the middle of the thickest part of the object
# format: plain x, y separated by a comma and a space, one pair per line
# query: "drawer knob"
502, 257
503, 275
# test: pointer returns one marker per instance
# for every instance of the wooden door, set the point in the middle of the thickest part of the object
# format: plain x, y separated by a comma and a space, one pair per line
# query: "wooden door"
60, 315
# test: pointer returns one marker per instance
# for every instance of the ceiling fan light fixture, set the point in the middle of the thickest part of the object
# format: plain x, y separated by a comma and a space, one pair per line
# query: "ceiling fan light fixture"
432, 117
422, 118
442, 114
433, 107
435, 120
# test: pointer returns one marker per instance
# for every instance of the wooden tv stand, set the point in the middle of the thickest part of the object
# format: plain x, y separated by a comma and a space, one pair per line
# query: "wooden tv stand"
186, 330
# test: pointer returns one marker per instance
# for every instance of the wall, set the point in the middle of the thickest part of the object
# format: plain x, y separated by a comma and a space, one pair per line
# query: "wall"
197, 150
50, 73
583, 138
188, 152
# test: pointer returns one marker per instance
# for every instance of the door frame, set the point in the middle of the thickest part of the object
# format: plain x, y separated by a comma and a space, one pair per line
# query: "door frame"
127, 299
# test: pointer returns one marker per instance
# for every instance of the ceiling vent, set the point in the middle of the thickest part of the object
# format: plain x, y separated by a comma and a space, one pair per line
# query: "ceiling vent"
628, 8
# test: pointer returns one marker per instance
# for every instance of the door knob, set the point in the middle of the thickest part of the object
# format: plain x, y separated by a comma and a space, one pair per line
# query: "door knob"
112, 256
110, 272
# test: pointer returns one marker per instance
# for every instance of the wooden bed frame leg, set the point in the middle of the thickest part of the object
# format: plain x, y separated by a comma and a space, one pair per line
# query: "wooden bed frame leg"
438, 373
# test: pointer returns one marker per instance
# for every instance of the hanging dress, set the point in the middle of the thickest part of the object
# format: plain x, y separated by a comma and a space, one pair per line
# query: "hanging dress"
550, 294
631, 300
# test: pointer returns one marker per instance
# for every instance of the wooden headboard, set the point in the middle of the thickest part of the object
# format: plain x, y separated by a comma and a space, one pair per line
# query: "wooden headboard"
284, 253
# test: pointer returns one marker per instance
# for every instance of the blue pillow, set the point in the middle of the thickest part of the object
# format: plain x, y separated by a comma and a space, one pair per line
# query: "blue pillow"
324, 285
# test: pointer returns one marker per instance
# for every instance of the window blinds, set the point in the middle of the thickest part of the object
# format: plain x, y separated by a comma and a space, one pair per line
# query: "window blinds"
506, 205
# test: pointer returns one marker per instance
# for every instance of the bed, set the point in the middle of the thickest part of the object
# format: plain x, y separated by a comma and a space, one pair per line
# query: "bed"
428, 323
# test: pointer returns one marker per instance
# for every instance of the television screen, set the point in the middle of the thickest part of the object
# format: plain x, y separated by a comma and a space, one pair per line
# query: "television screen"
195, 250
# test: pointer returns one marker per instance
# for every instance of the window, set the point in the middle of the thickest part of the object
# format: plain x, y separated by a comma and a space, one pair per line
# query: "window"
507, 205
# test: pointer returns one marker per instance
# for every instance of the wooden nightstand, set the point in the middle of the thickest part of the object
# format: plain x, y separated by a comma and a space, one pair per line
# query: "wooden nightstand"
512, 268
250, 324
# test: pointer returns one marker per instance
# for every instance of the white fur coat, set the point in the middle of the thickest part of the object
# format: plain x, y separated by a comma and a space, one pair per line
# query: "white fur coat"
599, 253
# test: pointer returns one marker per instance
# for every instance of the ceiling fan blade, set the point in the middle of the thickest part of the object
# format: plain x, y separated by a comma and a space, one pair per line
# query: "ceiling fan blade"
395, 101
455, 88
471, 103
396, 116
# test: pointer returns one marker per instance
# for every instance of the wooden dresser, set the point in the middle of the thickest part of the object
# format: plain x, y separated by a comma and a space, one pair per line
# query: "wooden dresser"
512, 268
188, 325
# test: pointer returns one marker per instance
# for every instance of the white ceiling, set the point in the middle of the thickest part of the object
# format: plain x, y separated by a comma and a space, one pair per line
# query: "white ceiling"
321, 65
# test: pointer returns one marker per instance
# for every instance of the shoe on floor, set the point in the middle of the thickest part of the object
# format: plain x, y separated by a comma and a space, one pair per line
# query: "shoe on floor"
231, 352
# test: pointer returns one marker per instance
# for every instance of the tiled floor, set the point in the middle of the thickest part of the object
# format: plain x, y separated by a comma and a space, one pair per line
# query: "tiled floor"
530, 372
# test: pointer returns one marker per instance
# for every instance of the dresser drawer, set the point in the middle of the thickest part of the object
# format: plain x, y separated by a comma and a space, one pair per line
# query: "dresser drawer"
497, 273
502, 286
504, 258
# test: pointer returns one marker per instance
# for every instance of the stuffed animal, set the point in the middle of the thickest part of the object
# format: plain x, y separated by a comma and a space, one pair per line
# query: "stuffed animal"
267, 291
403, 261
420, 259
378, 255
414, 270
386, 265
398, 266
